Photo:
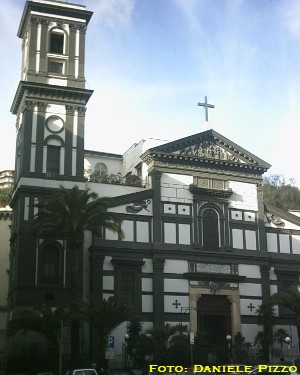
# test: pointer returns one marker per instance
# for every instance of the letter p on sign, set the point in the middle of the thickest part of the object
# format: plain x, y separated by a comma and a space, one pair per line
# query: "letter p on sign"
110, 342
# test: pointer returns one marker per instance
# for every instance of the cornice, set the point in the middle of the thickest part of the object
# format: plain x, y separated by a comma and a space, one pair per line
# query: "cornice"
69, 12
131, 198
198, 163
206, 167
213, 277
39, 93
121, 261
210, 192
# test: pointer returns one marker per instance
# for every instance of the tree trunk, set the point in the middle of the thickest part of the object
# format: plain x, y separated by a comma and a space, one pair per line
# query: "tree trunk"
298, 331
76, 294
53, 354
75, 344
101, 344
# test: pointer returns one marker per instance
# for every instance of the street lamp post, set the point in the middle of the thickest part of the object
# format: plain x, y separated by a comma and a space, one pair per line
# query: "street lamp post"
288, 341
192, 341
228, 339
126, 338
60, 353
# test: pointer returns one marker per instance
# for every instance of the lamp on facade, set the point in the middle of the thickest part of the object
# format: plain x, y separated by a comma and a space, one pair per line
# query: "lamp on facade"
228, 339
288, 341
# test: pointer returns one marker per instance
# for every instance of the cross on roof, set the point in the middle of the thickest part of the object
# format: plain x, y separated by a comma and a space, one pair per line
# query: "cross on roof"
206, 106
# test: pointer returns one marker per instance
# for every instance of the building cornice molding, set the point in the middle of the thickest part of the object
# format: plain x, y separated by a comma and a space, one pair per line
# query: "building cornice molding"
30, 94
132, 198
203, 167
196, 190
202, 276
72, 13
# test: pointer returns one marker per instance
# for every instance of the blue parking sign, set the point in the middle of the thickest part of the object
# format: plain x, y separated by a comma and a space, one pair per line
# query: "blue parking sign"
110, 342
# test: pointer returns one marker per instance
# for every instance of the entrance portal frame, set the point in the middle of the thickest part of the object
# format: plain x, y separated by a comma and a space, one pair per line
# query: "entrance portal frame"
233, 295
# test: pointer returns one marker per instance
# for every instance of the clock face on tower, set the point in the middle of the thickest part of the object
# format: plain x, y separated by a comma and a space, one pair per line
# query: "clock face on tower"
54, 124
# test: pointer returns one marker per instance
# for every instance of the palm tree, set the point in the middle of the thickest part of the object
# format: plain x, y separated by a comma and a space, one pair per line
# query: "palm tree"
46, 322
104, 316
68, 213
279, 336
290, 299
266, 318
179, 345
163, 337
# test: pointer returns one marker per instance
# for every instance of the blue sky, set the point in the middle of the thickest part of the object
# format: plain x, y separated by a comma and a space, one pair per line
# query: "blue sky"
151, 61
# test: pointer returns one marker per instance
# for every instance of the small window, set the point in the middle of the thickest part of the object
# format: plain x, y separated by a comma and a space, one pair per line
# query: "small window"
53, 161
139, 170
56, 67
57, 42
127, 288
101, 170
50, 265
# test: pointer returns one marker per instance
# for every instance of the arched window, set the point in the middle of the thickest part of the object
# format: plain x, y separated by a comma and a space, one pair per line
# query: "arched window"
50, 264
100, 170
53, 161
54, 155
210, 230
57, 38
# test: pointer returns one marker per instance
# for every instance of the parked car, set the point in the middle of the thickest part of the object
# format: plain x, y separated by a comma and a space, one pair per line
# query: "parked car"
271, 369
82, 371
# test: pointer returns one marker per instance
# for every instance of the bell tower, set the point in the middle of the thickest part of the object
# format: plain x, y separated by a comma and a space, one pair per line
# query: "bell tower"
50, 105
51, 96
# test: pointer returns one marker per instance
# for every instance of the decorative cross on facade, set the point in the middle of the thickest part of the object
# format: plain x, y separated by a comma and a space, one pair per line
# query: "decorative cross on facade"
206, 106
251, 307
176, 304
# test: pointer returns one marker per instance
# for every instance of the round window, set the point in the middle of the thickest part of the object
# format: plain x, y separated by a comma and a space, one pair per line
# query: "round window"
55, 124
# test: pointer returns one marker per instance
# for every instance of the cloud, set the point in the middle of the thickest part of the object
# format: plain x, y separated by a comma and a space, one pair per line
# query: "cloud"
190, 11
112, 13
290, 16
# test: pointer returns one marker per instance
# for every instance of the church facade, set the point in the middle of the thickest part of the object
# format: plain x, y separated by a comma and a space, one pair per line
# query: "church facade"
201, 247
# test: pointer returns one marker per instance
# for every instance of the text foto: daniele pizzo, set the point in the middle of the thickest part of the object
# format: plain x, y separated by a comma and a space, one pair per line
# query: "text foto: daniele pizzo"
223, 369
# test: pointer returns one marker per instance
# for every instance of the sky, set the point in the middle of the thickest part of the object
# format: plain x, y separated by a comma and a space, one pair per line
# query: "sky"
150, 62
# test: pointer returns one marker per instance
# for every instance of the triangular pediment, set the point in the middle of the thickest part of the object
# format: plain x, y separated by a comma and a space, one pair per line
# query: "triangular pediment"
207, 147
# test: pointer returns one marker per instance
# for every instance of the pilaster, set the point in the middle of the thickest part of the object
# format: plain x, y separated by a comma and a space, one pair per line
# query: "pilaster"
156, 185
261, 221
265, 282
96, 274
158, 291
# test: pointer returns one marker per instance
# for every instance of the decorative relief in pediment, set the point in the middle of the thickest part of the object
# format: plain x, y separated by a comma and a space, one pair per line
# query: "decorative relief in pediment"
209, 150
